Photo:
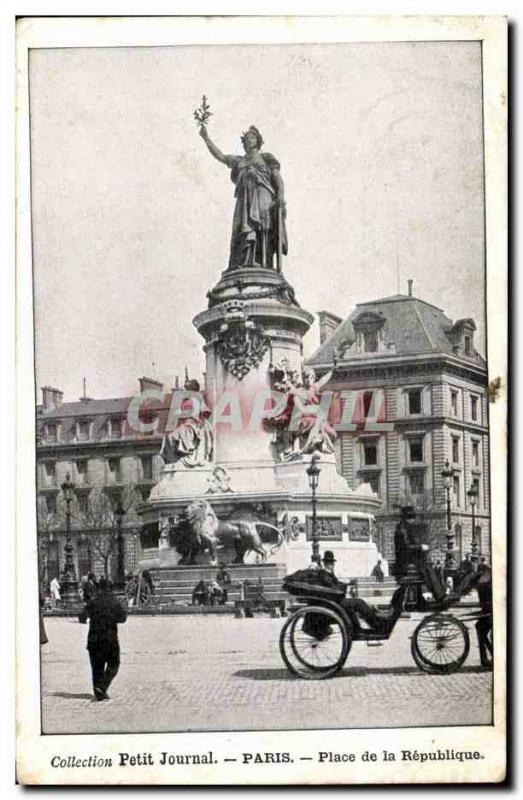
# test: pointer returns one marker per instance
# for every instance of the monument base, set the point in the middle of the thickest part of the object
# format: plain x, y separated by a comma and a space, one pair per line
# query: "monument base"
279, 494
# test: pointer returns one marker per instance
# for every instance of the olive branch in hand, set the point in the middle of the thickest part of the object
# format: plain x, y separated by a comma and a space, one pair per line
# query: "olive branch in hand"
203, 113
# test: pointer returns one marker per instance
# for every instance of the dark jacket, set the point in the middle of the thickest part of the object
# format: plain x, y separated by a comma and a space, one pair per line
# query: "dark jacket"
104, 613
90, 591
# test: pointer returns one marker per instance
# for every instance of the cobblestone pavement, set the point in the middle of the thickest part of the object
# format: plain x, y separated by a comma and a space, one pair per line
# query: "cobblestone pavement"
221, 673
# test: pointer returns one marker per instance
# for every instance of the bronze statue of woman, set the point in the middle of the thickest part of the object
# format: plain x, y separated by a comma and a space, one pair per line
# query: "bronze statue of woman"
258, 226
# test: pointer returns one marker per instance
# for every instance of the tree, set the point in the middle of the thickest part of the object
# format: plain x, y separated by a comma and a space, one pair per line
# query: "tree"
100, 520
47, 522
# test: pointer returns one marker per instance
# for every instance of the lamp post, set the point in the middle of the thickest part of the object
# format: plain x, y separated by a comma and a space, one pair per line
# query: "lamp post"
68, 581
313, 473
472, 495
447, 473
119, 513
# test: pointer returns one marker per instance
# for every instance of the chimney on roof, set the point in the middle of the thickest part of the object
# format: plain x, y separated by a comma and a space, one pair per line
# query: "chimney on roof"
51, 398
84, 398
149, 383
328, 324
410, 282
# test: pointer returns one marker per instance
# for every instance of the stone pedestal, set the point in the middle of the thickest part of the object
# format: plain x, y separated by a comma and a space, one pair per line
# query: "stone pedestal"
253, 321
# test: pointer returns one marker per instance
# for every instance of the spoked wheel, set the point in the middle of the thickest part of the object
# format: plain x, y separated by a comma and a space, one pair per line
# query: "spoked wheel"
440, 644
315, 642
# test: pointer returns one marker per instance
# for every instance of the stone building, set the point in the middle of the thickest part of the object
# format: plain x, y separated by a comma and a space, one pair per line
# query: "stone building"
110, 463
411, 393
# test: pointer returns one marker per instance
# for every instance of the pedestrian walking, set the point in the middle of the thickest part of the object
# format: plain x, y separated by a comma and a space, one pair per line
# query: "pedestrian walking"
483, 581
105, 612
54, 588
41, 604
377, 572
90, 588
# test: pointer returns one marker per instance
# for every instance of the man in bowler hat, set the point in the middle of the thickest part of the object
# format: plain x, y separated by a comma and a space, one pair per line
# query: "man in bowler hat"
104, 612
328, 561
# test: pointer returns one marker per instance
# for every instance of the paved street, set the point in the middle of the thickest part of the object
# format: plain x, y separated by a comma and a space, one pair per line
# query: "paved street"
220, 673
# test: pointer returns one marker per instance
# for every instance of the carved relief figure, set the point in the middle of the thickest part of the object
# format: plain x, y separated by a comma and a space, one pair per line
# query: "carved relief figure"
191, 441
258, 228
301, 425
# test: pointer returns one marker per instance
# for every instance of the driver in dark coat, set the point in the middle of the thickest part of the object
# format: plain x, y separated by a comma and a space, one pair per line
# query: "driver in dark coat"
104, 613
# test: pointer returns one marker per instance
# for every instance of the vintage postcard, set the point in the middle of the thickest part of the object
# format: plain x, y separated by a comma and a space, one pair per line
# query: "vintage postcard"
262, 382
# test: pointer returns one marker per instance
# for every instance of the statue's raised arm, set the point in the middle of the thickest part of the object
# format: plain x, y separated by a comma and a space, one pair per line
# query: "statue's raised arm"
259, 236
213, 150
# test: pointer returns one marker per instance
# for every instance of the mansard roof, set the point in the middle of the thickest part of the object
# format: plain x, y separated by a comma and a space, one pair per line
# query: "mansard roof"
411, 327
97, 411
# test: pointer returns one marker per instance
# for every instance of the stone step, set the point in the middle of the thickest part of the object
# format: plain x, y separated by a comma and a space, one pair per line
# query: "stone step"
240, 572
164, 597
188, 586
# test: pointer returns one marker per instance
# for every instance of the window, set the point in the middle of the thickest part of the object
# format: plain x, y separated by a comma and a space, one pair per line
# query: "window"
455, 490
50, 472
147, 467
475, 454
477, 536
370, 341
475, 486
455, 449
148, 417
145, 491
416, 450
83, 502
414, 396
50, 504
468, 346
367, 403
113, 465
474, 408
51, 432
116, 428
81, 471
82, 430
370, 454
454, 403
373, 480
458, 540
53, 560
417, 483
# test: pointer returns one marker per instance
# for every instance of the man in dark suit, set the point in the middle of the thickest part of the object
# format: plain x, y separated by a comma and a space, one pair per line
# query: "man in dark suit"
104, 612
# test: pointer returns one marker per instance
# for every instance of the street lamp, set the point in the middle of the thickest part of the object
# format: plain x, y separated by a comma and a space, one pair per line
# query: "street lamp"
313, 473
68, 582
447, 474
119, 513
472, 495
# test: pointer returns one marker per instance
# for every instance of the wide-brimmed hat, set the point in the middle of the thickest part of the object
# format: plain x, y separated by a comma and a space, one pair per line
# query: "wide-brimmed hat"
328, 557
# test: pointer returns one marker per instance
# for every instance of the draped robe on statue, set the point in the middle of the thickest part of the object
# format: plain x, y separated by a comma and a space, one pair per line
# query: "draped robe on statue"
255, 233
191, 442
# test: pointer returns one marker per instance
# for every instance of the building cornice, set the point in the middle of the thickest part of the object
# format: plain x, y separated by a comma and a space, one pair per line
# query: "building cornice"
151, 445
392, 366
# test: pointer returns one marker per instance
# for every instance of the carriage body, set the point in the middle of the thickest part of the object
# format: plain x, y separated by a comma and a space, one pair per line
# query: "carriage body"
316, 639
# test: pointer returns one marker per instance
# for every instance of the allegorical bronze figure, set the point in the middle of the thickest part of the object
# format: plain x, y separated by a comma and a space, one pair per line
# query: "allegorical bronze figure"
259, 236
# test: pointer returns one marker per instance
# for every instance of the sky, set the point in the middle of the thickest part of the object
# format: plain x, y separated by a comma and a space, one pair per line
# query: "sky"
380, 146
